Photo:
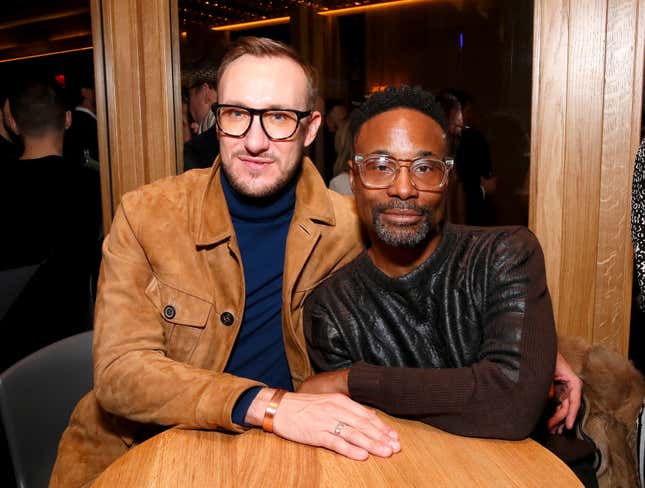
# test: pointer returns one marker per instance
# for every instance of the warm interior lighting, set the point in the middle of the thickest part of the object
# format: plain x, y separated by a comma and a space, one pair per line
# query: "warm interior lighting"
43, 18
363, 8
184, 35
250, 25
376, 88
46, 54
71, 35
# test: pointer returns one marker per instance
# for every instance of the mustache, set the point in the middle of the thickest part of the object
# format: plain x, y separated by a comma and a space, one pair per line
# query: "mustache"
265, 154
400, 205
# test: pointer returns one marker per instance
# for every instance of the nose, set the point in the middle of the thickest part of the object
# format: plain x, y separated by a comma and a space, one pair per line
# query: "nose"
402, 186
256, 141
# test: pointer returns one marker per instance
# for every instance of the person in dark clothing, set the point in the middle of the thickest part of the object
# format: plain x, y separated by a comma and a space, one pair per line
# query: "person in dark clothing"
49, 217
447, 324
201, 150
473, 164
81, 140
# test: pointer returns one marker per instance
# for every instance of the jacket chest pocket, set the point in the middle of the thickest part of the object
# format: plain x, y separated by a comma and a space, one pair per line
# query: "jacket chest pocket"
182, 315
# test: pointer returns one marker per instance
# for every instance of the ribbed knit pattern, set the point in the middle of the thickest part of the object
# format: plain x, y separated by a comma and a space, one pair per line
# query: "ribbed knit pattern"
465, 342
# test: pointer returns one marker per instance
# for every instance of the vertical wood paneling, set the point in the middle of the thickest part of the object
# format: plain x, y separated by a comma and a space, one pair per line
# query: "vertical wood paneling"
101, 113
582, 167
614, 242
548, 133
139, 92
588, 73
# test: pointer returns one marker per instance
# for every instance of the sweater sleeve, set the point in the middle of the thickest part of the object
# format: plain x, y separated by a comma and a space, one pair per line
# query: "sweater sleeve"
503, 393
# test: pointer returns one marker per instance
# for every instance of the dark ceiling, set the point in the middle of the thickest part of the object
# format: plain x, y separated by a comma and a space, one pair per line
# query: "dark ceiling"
37, 27
222, 12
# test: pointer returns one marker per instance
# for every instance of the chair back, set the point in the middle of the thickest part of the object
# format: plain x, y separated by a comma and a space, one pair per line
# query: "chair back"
37, 396
12, 282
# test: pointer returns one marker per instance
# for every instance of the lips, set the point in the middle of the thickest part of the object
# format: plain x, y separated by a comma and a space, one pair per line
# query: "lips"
401, 215
398, 217
255, 163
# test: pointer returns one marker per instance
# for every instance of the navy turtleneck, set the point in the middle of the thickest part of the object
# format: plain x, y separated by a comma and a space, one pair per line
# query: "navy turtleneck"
261, 227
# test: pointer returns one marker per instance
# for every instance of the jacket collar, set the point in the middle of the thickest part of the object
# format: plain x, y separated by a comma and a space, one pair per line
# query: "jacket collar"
215, 225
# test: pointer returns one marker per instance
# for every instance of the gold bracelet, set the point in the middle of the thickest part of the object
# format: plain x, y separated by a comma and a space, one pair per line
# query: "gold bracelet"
272, 408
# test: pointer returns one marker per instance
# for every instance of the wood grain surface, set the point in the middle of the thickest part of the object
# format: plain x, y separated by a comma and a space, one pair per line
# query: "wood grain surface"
587, 91
429, 458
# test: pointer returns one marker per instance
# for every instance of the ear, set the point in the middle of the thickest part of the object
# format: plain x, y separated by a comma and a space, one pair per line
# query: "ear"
11, 122
350, 163
312, 127
68, 119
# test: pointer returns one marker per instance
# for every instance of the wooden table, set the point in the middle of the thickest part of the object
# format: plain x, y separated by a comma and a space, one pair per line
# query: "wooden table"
429, 457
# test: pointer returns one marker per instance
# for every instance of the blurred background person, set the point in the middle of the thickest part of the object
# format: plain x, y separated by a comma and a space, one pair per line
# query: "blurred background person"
343, 148
200, 83
509, 148
200, 86
456, 196
50, 227
335, 116
81, 140
473, 163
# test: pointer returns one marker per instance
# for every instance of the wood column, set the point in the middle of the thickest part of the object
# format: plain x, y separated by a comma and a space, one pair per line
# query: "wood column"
134, 59
587, 90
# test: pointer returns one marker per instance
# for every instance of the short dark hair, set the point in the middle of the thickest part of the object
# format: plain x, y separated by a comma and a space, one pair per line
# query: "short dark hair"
267, 48
38, 107
198, 74
403, 96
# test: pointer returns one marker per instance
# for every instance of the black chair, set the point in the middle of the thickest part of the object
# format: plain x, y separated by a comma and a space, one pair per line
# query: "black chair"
37, 396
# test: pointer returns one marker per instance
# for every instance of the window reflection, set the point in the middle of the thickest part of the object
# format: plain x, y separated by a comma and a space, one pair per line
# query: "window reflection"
479, 52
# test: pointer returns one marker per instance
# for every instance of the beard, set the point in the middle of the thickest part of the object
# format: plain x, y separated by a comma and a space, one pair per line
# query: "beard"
404, 235
250, 185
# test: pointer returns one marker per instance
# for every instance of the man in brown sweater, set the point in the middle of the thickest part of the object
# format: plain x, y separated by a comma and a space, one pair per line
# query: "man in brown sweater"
451, 325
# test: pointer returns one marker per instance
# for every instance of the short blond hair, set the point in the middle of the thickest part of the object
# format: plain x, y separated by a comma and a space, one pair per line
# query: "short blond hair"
268, 48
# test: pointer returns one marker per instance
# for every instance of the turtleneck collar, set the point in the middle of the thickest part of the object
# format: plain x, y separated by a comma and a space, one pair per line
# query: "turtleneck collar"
251, 209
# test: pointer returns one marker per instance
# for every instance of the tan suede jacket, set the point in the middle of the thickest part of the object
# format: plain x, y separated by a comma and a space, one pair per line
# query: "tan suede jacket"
170, 305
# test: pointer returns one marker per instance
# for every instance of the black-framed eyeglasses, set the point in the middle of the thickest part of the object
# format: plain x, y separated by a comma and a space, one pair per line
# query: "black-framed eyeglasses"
381, 171
277, 123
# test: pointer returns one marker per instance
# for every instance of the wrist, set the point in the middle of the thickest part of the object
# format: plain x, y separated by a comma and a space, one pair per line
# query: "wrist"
272, 410
255, 413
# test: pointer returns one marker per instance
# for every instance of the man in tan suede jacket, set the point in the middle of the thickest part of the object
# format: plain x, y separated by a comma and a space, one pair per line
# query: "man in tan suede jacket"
191, 329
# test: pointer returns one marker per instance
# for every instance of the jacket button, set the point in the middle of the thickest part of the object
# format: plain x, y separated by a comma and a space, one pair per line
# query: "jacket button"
169, 312
227, 318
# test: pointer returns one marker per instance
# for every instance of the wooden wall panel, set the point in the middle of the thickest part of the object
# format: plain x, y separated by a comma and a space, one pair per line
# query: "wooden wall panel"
581, 178
548, 134
622, 90
138, 92
586, 123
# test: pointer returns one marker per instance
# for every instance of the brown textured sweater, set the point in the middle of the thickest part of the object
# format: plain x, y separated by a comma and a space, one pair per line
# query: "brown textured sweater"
466, 342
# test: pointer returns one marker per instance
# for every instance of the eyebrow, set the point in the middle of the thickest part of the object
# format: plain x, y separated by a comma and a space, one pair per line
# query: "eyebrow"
419, 154
270, 107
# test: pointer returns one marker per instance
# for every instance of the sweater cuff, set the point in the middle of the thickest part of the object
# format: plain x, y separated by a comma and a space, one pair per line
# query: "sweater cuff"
242, 406
363, 381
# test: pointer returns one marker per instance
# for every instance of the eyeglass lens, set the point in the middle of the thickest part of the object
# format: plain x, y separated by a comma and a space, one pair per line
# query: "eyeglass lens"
277, 124
427, 174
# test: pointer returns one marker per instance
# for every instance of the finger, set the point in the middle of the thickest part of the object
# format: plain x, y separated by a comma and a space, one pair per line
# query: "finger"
559, 415
341, 446
368, 421
373, 428
574, 397
356, 438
